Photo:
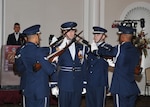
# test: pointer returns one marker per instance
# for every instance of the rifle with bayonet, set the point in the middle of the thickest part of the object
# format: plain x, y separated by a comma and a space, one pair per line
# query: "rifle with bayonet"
37, 66
61, 51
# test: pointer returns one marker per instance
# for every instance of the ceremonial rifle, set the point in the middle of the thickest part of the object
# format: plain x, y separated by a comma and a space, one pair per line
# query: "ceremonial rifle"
37, 66
61, 51
83, 40
59, 39
89, 45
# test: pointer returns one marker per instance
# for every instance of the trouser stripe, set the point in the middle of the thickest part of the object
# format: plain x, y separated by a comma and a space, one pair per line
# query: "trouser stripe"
45, 104
117, 100
24, 104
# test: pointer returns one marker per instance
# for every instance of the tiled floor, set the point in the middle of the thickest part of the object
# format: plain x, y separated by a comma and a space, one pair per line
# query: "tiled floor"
142, 101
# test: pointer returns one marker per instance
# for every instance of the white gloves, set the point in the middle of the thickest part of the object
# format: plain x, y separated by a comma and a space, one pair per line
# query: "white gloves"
54, 39
84, 85
55, 91
93, 46
63, 44
85, 82
111, 63
84, 91
55, 59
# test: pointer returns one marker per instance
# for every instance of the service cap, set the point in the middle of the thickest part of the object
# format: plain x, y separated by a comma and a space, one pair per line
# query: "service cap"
69, 25
35, 29
99, 30
125, 30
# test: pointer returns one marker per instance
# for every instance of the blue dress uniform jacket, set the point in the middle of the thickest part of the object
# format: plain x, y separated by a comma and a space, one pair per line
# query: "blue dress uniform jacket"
70, 77
123, 86
97, 79
20, 66
97, 70
123, 81
34, 84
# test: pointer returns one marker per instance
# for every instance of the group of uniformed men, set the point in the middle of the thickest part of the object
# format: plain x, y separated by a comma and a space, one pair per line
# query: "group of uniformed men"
79, 66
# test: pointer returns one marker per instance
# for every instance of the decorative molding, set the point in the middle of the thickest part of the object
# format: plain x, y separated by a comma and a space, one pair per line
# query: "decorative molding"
136, 11
132, 6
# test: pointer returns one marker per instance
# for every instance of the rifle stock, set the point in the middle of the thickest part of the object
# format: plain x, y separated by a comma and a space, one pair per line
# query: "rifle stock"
36, 67
138, 70
55, 54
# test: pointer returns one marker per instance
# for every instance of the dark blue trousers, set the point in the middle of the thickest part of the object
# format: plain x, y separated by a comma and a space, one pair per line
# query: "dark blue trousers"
69, 99
95, 96
124, 101
32, 102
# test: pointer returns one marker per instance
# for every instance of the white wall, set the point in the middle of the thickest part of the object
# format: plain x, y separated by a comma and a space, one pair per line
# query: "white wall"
49, 13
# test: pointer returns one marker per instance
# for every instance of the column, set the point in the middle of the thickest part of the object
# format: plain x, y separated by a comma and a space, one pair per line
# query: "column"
1, 29
1, 14
93, 16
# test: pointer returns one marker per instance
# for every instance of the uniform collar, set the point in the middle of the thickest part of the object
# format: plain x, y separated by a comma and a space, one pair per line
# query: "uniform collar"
31, 43
125, 43
100, 43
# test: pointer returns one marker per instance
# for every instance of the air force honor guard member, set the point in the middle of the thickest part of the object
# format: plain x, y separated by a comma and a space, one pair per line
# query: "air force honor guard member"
97, 72
70, 75
123, 87
35, 85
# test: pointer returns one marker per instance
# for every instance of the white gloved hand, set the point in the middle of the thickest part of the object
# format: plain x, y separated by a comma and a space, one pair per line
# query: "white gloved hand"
84, 91
63, 44
85, 82
55, 91
55, 59
93, 46
54, 39
111, 63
